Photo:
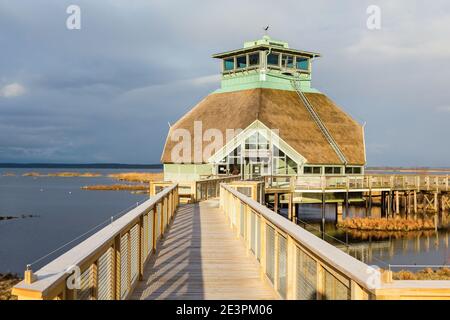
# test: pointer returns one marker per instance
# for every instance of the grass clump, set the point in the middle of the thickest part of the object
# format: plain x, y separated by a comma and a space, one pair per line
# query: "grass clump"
7, 282
425, 274
380, 224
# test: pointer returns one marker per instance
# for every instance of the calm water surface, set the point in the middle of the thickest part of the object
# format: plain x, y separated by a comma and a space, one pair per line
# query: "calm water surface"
415, 248
65, 212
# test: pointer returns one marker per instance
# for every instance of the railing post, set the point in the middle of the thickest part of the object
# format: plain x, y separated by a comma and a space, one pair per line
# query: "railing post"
141, 243
94, 281
118, 271
291, 276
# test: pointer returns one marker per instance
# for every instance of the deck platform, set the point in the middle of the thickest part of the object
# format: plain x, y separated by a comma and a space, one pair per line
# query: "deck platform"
200, 258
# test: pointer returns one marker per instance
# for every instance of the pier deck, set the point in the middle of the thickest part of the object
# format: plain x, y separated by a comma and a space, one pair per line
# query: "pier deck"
200, 258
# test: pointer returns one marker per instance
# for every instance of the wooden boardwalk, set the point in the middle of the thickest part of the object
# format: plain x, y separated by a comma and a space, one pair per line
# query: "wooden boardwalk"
200, 258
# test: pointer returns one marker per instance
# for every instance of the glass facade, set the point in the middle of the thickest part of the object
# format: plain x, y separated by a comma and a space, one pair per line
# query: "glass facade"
256, 156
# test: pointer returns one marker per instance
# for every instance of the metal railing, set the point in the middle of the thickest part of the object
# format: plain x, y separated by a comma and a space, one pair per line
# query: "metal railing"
109, 263
299, 265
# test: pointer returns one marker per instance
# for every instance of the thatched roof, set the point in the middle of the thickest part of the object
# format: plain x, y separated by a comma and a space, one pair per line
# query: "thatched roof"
282, 110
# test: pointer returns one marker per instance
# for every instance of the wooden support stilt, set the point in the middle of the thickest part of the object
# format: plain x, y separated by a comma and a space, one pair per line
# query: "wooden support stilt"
397, 202
415, 204
370, 203
389, 206
436, 202
408, 204
275, 202
346, 205
290, 206
323, 216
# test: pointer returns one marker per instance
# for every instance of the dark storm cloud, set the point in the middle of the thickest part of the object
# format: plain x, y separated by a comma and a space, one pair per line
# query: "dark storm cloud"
107, 92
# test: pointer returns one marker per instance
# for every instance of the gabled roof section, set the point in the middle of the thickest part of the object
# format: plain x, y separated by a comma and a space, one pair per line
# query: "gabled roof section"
281, 110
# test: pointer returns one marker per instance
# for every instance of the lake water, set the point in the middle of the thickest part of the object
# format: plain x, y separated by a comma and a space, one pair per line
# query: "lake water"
64, 212
404, 249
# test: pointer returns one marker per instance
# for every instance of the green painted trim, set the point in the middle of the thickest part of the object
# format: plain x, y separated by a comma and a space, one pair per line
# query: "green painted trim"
255, 80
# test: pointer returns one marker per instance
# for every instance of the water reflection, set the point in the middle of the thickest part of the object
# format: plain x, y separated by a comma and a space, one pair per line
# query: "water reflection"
376, 247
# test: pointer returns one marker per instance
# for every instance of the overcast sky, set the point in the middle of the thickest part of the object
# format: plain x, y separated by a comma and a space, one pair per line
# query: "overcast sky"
106, 93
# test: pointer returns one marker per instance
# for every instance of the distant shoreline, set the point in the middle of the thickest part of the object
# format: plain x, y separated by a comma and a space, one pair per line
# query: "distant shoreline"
80, 166
408, 169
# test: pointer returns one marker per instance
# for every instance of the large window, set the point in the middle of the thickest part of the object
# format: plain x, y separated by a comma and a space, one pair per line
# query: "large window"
333, 170
353, 170
273, 59
312, 170
228, 64
302, 63
287, 61
241, 62
253, 59
282, 164
231, 164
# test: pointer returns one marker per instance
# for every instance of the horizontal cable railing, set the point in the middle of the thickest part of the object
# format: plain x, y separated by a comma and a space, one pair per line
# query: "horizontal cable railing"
107, 265
300, 265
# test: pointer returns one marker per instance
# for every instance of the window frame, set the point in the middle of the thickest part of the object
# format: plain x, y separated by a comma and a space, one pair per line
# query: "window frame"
270, 65
225, 70
308, 60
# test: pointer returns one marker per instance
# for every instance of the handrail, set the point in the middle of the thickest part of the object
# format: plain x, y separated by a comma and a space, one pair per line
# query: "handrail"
327, 252
295, 261
134, 236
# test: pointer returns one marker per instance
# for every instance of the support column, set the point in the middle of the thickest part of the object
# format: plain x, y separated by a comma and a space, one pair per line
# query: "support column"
275, 202
346, 205
339, 212
397, 203
436, 202
415, 204
323, 214
290, 215
389, 205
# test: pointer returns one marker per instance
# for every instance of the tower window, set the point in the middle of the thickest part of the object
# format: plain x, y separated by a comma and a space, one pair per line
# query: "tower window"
287, 61
273, 59
253, 59
302, 63
228, 64
241, 62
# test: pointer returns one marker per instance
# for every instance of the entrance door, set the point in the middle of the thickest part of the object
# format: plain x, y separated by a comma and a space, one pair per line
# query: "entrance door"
255, 170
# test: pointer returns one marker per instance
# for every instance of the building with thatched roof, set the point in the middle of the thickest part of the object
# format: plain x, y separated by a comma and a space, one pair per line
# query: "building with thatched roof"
266, 119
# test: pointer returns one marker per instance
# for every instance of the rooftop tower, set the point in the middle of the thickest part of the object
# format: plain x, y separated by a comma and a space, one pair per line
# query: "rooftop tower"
266, 63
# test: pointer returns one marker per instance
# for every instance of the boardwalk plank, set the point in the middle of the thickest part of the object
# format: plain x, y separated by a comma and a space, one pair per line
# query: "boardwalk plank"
200, 258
